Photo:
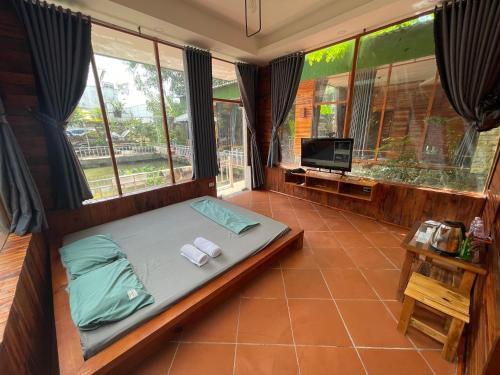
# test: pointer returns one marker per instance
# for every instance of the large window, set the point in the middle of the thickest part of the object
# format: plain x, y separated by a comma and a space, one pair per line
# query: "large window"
136, 138
229, 128
403, 126
320, 106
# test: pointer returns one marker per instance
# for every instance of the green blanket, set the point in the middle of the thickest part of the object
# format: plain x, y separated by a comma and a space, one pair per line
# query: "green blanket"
236, 223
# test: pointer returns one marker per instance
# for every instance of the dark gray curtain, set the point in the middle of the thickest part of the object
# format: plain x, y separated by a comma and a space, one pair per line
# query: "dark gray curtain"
364, 83
61, 50
285, 78
198, 73
18, 191
247, 81
467, 43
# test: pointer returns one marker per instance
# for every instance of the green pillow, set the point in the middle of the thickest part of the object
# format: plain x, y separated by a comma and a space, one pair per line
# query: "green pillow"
89, 253
107, 294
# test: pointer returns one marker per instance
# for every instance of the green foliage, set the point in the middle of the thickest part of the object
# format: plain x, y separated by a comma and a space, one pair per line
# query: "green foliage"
335, 52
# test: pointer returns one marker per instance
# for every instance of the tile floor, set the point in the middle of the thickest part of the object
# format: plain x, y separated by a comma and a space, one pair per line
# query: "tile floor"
328, 308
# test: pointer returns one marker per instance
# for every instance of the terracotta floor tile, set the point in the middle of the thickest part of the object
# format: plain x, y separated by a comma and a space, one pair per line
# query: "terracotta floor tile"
218, 326
300, 204
207, 359
438, 364
260, 206
383, 239
258, 196
348, 284
385, 282
316, 360
394, 362
266, 212
369, 257
365, 225
265, 360
305, 284
317, 322
395, 254
338, 225
320, 240
332, 258
267, 285
264, 321
310, 220
281, 204
159, 362
351, 239
299, 259
287, 217
370, 324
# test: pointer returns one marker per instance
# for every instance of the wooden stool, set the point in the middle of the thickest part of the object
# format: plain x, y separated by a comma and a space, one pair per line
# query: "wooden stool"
436, 296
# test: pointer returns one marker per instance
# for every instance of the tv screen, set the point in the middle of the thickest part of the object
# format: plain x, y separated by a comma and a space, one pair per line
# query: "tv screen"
328, 153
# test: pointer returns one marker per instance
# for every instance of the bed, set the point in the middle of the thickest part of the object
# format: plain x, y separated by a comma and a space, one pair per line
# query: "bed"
152, 241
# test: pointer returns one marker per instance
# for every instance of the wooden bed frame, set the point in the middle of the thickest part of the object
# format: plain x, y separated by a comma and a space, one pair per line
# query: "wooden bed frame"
128, 350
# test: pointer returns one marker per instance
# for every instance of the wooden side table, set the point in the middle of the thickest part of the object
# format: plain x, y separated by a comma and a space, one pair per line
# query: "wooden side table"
415, 250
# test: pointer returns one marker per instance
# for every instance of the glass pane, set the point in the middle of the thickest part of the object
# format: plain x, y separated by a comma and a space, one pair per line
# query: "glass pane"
127, 71
229, 130
174, 90
402, 124
87, 135
224, 81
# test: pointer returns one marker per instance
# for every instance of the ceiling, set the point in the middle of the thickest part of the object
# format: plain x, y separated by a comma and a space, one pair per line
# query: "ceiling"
219, 25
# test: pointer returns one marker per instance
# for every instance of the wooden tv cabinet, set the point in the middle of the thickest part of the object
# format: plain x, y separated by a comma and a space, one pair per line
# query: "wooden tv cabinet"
353, 187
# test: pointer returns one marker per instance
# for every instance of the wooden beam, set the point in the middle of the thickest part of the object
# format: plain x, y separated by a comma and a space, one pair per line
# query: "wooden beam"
382, 113
352, 75
106, 123
164, 112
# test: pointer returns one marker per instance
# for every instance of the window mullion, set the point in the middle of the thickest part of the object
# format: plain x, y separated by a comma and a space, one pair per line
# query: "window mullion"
382, 112
164, 112
106, 124
348, 115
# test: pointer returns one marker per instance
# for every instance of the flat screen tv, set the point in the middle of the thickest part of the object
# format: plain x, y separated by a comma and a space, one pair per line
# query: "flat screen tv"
327, 153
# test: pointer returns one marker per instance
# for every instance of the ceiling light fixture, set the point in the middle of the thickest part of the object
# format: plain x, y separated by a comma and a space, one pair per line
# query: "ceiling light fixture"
251, 6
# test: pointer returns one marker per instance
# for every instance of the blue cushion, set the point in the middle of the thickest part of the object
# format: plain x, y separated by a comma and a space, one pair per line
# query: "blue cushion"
89, 254
107, 294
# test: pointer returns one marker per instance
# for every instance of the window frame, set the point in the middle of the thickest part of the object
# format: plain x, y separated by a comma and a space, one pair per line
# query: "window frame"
104, 111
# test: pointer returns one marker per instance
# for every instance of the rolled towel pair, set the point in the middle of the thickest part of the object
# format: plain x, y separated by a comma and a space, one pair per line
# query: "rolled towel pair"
194, 255
208, 247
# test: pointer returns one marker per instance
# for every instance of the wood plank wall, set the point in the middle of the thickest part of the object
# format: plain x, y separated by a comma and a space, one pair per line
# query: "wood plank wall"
483, 334
64, 222
18, 93
28, 341
395, 199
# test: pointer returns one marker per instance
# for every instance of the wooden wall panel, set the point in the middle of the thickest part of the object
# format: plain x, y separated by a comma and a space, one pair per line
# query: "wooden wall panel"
303, 112
483, 334
68, 221
397, 204
28, 340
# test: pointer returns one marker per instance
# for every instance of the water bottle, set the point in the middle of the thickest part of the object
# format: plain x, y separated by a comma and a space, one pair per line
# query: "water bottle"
473, 224
479, 228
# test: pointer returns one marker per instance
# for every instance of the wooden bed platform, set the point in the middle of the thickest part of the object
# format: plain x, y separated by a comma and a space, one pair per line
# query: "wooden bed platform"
137, 344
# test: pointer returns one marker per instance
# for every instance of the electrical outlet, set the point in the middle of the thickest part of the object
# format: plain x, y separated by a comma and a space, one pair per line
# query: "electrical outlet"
211, 184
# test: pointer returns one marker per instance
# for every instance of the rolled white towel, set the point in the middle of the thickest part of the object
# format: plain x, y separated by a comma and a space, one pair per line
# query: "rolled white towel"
194, 255
208, 247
